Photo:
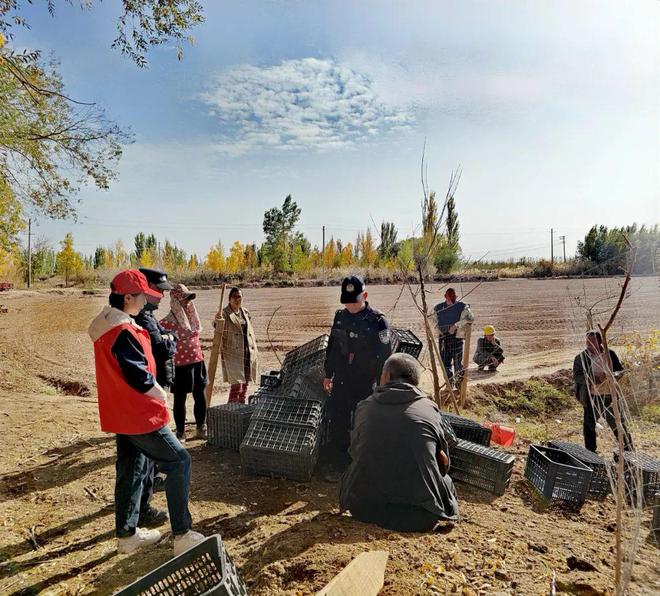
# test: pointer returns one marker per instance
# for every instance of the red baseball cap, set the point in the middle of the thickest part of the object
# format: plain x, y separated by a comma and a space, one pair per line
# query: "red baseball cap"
131, 281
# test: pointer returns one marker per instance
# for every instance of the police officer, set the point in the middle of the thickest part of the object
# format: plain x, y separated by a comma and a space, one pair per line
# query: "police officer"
163, 346
358, 347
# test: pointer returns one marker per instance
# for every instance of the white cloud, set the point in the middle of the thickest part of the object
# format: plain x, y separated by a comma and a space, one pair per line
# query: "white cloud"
299, 104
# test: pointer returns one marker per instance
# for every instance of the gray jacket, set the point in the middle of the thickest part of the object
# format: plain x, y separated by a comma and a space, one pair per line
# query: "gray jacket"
395, 441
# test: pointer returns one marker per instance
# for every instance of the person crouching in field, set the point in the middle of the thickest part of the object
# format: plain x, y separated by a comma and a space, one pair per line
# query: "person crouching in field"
489, 352
132, 406
190, 371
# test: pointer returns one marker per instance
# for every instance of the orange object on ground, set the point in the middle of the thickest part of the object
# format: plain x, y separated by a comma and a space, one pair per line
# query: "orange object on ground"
502, 435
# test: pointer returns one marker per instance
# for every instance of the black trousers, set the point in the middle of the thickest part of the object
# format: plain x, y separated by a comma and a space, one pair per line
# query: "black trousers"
594, 408
451, 352
190, 378
400, 518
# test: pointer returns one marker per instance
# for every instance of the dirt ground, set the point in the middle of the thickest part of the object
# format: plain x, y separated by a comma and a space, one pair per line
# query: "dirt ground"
57, 468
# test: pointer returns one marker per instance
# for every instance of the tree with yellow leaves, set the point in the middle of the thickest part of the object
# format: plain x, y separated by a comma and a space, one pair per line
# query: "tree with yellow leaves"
215, 259
236, 257
68, 261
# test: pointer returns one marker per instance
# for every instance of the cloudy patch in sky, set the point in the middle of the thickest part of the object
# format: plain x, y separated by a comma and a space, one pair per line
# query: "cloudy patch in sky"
299, 105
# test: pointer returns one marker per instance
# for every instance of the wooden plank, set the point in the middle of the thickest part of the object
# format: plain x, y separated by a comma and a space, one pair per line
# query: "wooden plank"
215, 348
364, 575
466, 363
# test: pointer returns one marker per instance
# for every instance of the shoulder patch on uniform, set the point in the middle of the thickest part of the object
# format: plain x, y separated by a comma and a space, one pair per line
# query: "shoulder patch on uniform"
384, 336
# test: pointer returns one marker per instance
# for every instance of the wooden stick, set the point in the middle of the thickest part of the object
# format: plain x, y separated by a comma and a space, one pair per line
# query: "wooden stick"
466, 362
215, 349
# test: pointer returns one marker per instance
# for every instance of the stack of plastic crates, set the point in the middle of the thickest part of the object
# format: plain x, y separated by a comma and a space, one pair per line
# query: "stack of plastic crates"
305, 359
404, 340
600, 482
204, 569
483, 467
468, 430
558, 476
227, 424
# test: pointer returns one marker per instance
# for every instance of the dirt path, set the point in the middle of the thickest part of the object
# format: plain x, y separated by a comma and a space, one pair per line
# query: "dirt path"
57, 469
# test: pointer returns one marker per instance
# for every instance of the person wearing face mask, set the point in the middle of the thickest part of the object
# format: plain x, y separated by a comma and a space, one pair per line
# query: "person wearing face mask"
358, 347
132, 406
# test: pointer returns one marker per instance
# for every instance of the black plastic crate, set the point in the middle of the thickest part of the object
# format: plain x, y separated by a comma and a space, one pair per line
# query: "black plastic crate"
227, 424
271, 379
278, 449
305, 357
557, 475
636, 461
204, 569
484, 467
600, 482
468, 430
404, 340
289, 411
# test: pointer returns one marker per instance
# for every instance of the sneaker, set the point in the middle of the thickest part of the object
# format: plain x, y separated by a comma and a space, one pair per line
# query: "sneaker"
200, 433
159, 483
152, 517
186, 541
480, 367
140, 539
181, 436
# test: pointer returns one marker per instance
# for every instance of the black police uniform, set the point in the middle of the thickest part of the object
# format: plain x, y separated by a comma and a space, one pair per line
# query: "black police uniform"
358, 347
162, 346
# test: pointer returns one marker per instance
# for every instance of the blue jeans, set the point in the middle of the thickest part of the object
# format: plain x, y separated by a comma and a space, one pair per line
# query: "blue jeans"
133, 453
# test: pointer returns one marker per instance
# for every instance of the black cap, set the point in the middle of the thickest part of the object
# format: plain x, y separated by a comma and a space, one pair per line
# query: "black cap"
157, 278
351, 288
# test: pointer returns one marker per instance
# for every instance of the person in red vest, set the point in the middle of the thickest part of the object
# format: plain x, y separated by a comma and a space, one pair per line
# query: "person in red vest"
132, 405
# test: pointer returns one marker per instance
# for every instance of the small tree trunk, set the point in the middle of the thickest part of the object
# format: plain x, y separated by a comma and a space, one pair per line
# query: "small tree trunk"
430, 339
466, 361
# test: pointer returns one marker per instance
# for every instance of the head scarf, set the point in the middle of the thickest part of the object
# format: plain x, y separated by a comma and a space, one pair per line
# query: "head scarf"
182, 311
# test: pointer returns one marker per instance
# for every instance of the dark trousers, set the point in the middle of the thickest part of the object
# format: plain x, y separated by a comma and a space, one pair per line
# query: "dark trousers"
341, 406
595, 407
190, 378
173, 460
150, 471
451, 352
400, 518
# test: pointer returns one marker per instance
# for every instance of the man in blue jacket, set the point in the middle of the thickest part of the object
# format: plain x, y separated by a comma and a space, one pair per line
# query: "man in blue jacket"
451, 315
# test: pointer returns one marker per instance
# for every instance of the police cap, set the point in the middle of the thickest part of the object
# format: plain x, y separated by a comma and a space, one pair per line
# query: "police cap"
157, 278
351, 289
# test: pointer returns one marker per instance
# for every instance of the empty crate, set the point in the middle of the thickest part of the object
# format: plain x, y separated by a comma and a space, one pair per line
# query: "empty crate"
467, 429
483, 467
271, 379
305, 358
290, 411
557, 475
280, 449
227, 424
649, 469
600, 482
404, 340
204, 569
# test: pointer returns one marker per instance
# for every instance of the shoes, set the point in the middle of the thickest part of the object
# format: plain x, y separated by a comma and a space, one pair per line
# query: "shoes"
200, 433
181, 436
481, 367
159, 483
186, 541
140, 539
152, 517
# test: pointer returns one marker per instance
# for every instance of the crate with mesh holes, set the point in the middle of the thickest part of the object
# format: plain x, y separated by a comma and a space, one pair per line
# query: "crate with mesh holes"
204, 569
307, 412
600, 483
557, 476
280, 449
303, 358
271, 378
467, 429
404, 340
482, 467
227, 424
646, 469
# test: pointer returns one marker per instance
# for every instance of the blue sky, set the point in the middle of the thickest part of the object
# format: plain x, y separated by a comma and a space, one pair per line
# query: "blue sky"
551, 108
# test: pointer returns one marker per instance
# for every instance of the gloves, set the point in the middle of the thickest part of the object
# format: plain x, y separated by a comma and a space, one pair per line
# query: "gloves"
157, 392
452, 329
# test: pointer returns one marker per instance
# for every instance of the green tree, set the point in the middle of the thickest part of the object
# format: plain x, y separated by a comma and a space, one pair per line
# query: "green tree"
69, 262
388, 247
278, 226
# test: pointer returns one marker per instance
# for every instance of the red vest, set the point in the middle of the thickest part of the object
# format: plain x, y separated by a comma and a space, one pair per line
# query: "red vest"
122, 409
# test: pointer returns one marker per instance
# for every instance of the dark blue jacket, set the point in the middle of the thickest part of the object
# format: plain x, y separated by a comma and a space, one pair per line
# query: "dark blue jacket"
163, 349
448, 315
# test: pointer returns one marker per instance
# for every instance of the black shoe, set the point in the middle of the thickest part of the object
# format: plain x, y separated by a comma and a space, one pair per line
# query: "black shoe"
152, 517
159, 483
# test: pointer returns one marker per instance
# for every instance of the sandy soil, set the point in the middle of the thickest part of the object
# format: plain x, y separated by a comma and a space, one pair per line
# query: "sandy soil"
57, 473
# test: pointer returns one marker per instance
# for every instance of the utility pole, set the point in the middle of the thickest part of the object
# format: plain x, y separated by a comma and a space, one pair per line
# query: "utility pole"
563, 242
29, 279
552, 246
